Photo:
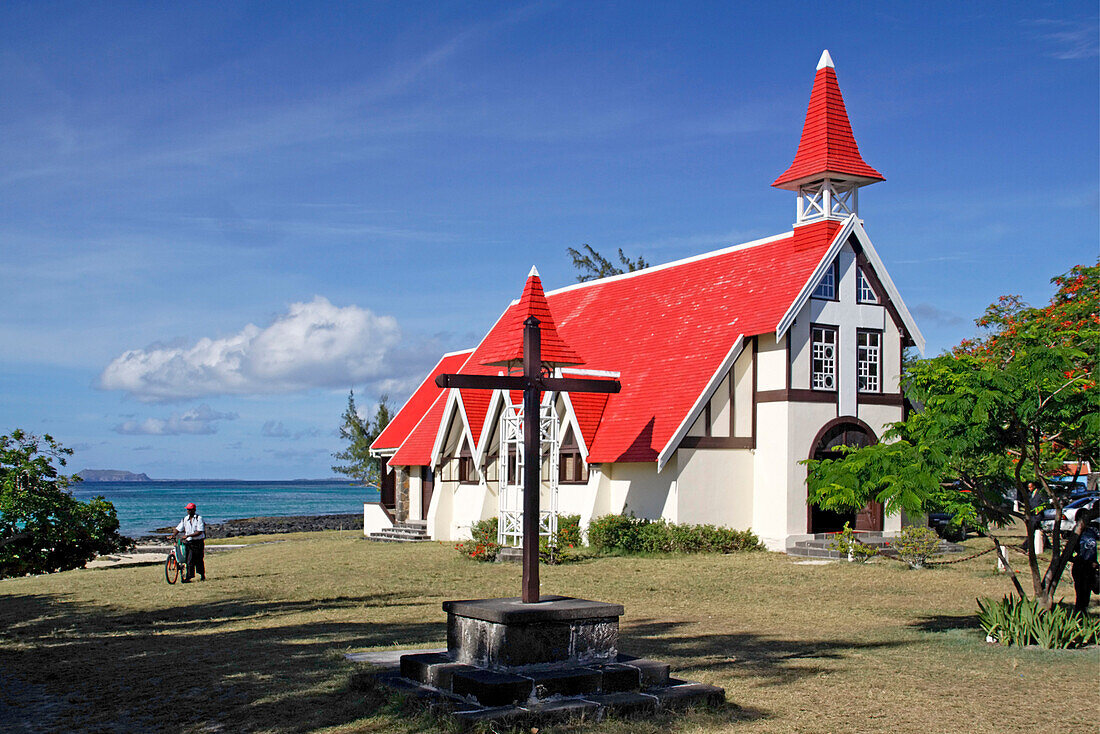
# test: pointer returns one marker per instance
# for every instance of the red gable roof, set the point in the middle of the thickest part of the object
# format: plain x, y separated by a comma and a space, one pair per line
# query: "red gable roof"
666, 330
827, 144
504, 345
402, 424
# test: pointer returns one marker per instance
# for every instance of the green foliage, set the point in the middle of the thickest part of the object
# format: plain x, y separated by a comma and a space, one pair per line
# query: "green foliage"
916, 544
482, 545
592, 265
998, 413
1020, 622
360, 434
630, 535
42, 527
569, 531
847, 544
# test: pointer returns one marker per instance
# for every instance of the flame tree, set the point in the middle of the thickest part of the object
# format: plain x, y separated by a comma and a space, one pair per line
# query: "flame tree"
1002, 411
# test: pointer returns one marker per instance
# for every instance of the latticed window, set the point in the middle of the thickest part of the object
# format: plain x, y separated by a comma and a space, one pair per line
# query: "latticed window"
865, 293
869, 360
823, 369
827, 287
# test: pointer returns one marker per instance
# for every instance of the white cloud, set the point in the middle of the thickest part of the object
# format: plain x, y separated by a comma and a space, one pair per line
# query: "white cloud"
197, 421
936, 315
314, 344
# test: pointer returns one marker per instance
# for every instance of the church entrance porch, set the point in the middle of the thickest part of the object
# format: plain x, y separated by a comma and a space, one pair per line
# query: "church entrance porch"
843, 432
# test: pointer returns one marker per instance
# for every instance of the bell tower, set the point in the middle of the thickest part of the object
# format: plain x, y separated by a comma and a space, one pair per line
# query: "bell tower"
827, 171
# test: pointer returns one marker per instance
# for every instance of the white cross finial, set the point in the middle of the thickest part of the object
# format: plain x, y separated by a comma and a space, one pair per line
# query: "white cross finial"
826, 60
534, 272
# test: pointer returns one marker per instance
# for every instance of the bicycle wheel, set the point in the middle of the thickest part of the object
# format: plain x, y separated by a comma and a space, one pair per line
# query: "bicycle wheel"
171, 569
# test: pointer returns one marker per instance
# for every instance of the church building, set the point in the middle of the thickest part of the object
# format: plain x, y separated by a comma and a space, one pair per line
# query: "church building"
736, 365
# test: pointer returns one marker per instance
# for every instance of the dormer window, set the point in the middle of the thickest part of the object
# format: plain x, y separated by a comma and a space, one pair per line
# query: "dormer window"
865, 293
826, 289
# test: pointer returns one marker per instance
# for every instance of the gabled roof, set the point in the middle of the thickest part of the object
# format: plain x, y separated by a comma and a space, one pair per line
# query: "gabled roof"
665, 329
504, 345
402, 424
827, 145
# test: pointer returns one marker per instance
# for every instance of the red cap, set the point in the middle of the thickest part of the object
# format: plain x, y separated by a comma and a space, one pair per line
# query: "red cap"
190, 506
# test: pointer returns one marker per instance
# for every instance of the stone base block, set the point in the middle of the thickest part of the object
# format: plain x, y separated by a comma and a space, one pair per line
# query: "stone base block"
508, 635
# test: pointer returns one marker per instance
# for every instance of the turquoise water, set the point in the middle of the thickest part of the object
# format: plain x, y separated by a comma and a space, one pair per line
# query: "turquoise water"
145, 506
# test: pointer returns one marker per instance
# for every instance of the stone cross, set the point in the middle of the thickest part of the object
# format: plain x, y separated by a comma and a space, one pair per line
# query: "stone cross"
536, 379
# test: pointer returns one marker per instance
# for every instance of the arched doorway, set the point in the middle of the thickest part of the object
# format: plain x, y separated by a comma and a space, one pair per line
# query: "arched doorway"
843, 432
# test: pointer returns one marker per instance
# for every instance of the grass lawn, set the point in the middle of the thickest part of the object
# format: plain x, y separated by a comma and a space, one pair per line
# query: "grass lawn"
259, 646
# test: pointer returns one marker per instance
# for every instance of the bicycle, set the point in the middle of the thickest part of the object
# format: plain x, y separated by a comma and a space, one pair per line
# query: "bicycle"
177, 558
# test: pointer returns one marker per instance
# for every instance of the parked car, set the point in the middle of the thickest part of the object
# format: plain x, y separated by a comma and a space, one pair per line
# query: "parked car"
1069, 513
941, 523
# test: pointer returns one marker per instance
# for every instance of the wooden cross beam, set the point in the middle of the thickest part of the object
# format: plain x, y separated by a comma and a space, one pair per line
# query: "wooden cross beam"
532, 383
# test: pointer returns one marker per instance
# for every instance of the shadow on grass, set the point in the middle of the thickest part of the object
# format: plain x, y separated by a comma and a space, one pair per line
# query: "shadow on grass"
236, 665
775, 660
946, 623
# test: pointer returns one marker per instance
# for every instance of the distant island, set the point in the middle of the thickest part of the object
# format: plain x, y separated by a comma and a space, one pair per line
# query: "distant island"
111, 475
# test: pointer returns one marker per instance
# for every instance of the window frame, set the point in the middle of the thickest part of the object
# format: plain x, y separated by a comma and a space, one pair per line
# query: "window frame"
835, 331
834, 270
571, 449
860, 333
861, 279
467, 472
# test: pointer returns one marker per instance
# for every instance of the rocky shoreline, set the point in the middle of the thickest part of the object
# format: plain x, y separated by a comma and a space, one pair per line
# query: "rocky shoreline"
272, 526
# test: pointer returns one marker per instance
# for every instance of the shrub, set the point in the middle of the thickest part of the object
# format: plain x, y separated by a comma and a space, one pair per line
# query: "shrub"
847, 544
622, 534
43, 528
1015, 621
916, 544
483, 545
569, 531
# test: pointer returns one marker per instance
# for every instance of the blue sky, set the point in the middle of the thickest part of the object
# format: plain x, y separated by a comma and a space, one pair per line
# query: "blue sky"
215, 219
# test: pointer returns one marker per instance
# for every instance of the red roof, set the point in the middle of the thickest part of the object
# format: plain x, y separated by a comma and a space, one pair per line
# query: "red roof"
504, 345
414, 409
666, 330
827, 145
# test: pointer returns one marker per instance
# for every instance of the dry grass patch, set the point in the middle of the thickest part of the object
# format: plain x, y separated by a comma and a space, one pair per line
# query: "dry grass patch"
259, 646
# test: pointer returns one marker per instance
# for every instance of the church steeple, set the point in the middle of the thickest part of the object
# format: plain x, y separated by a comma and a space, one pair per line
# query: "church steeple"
828, 170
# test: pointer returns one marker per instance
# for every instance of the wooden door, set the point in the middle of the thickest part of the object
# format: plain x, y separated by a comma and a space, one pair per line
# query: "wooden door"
387, 490
427, 485
870, 517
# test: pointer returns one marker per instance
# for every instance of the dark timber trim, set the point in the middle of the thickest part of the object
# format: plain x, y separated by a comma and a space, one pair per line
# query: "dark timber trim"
796, 396
716, 442
868, 398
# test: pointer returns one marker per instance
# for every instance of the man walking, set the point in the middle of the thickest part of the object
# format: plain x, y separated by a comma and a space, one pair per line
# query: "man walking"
194, 534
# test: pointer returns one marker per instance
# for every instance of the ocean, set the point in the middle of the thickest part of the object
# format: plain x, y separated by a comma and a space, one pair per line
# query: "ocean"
144, 506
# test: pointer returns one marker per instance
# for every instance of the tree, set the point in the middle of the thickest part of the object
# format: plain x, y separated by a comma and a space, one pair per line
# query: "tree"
1003, 411
360, 434
593, 265
42, 527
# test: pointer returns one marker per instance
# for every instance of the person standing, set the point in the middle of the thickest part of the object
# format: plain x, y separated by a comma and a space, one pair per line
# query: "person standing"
1086, 574
194, 536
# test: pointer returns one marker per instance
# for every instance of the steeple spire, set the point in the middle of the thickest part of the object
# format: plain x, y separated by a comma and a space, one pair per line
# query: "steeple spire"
828, 168
504, 346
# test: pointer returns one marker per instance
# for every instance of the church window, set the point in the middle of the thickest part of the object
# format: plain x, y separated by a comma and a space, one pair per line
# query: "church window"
823, 370
466, 472
571, 466
865, 293
869, 360
826, 289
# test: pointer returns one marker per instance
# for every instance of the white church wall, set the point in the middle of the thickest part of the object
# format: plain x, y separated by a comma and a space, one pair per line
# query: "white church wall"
772, 361
720, 410
715, 486
770, 480
415, 510
742, 394
807, 420
637, 488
